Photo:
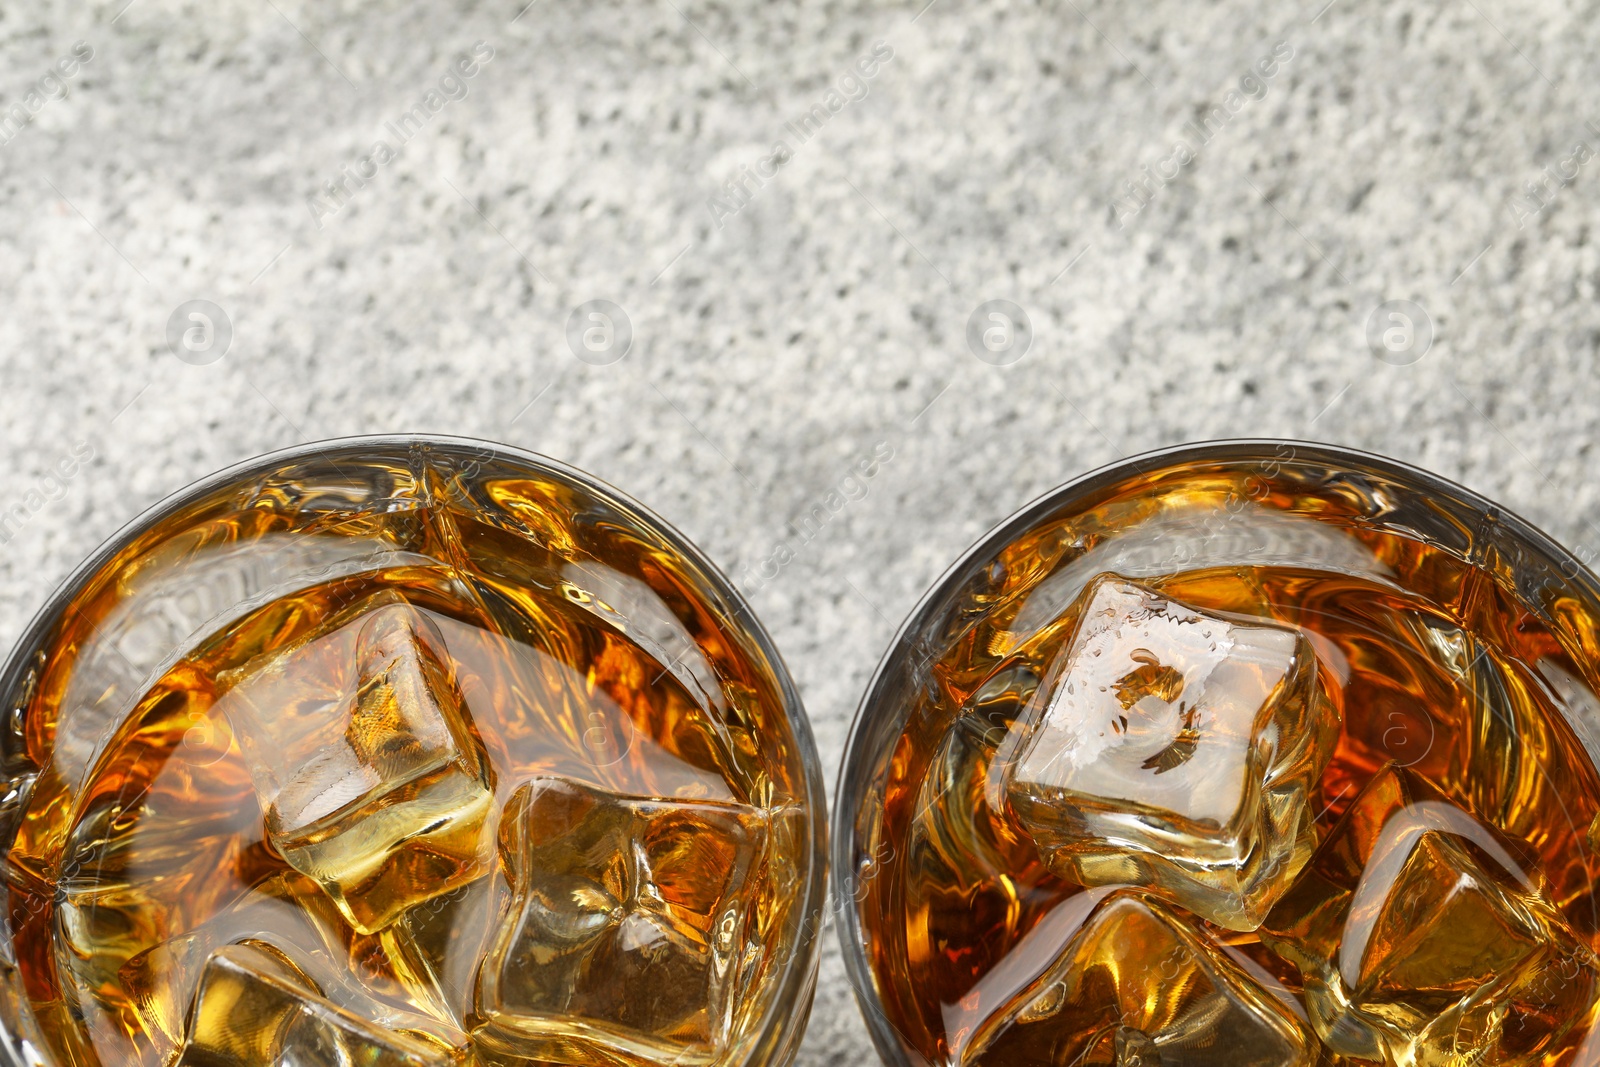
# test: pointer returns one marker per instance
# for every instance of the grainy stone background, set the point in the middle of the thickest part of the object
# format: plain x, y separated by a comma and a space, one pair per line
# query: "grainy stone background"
782, 334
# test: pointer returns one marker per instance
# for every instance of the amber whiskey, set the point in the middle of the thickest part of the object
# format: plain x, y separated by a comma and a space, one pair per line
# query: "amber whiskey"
1220, 777
399, 764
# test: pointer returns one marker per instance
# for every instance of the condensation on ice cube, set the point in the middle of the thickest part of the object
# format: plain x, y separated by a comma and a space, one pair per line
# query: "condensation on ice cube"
1173, 748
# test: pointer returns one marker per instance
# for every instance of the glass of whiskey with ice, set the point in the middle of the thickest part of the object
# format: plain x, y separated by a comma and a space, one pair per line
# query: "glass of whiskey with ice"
1247, 754
404, 752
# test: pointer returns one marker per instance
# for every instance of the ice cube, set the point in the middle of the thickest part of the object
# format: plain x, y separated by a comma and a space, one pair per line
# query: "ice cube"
254, 1007
625, 923
291, 916
433, 949
966, 863
1176, 749
1424, 937
361, 753
1137, 984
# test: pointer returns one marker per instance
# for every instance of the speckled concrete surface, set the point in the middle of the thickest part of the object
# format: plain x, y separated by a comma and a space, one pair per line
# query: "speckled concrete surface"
786, 325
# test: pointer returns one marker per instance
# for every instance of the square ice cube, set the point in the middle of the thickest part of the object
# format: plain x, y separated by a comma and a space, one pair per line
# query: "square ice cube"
364, 761
255, 1007
1424, 936
1137, 985
626, 919
1174, 748
290, 916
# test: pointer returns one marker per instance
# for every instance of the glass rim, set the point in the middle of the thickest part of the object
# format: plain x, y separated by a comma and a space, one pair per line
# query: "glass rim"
850, 783
781, 1022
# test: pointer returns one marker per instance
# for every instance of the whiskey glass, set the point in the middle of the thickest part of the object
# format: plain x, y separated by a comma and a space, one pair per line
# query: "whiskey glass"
1206, 756
404, 750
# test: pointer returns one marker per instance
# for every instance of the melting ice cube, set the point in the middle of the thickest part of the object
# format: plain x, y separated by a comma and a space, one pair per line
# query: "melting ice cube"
1174, 748
1424, 937
255, 1007
291, 918
626, 921
1136, 985
371, 779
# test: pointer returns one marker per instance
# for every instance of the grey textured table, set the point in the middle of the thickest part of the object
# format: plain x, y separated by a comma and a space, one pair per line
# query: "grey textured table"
798, 248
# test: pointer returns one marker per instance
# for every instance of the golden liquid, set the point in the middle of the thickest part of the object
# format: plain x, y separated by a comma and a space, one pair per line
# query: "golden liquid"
162, 911
1434, 672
